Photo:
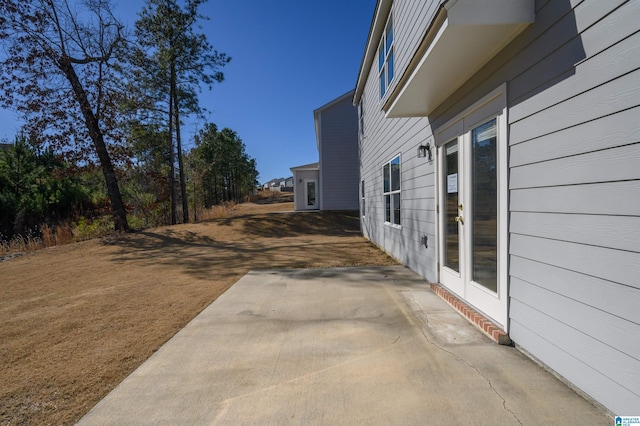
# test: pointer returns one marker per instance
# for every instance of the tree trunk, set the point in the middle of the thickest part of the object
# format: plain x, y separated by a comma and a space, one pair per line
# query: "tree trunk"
172, 160
195, 198
183, 183
214, 200
91, 121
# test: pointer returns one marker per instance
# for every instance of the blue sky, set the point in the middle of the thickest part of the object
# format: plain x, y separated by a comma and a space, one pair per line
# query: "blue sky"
289, 57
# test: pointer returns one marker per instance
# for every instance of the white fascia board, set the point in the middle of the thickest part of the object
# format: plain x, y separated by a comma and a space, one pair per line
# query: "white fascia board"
316, 121
312, 166
380, 16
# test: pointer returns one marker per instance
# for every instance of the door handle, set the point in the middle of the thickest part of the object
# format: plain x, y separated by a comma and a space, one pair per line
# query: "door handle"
459, 220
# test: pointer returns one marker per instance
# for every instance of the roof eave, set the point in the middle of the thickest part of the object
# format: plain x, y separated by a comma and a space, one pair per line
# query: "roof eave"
476, 32
383, 8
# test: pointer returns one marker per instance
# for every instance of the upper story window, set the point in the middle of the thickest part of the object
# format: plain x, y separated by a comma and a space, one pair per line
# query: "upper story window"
385, 57
391, 191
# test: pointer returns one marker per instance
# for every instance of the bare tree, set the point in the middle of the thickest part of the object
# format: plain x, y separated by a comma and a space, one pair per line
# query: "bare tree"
57, 73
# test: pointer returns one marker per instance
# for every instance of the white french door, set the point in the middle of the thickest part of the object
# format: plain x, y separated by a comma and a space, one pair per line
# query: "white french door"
473, 211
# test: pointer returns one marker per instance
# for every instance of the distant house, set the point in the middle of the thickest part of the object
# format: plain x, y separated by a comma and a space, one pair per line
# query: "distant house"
305, 187
288, 185
335, 186
278, 184
500, 159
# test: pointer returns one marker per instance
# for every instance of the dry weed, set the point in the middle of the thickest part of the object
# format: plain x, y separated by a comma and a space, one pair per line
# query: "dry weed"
64, 234
21, 244
220, 211
49, 237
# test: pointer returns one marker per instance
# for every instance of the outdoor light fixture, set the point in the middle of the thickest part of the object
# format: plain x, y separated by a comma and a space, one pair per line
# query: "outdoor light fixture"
424, 151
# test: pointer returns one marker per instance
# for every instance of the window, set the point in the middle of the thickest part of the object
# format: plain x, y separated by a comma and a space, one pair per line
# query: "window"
385, 58
391, 190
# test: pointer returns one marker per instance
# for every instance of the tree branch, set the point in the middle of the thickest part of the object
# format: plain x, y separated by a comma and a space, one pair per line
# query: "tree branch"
63, 49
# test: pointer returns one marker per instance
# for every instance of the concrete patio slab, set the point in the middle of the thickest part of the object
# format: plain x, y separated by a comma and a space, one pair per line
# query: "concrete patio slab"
340, 346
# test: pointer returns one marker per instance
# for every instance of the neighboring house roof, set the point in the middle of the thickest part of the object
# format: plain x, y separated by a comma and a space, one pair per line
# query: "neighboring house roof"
318, 111
312, 166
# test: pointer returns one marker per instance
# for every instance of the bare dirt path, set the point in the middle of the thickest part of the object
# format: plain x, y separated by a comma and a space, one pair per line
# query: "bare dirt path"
76, 320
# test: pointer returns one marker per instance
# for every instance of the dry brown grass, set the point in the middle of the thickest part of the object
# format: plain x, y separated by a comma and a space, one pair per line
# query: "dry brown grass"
75, 320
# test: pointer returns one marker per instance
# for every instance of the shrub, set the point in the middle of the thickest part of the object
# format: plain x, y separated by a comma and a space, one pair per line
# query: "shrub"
87, 229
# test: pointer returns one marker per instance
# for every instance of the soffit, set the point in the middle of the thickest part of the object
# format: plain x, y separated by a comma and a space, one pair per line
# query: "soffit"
464, 36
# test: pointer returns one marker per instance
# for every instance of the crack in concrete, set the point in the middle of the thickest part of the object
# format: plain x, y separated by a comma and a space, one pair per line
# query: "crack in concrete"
459, 358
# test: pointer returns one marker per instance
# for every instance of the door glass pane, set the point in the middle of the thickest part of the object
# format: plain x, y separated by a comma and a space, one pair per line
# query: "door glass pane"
389, 37
395, 174
396, 209
311, 193
386, 176
387, 208
485, 206
451, 237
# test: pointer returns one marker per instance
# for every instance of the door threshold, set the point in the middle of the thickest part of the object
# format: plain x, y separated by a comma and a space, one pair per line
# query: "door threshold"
476, 318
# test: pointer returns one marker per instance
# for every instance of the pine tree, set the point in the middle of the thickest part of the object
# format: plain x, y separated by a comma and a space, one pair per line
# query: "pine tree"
173, 61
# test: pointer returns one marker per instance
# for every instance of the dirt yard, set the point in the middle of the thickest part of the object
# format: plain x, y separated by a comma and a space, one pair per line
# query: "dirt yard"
75, 320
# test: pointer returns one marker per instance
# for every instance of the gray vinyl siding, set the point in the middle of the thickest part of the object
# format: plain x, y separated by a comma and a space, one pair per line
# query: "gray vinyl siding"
573, 97
384, 139
575, 151
339, 174
574, 135
410, 22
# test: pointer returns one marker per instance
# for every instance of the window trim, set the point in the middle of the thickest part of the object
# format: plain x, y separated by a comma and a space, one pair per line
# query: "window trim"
389, 191
385, 55
362, 200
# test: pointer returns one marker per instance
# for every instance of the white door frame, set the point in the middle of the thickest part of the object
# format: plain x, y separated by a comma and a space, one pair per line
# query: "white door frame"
494, 305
